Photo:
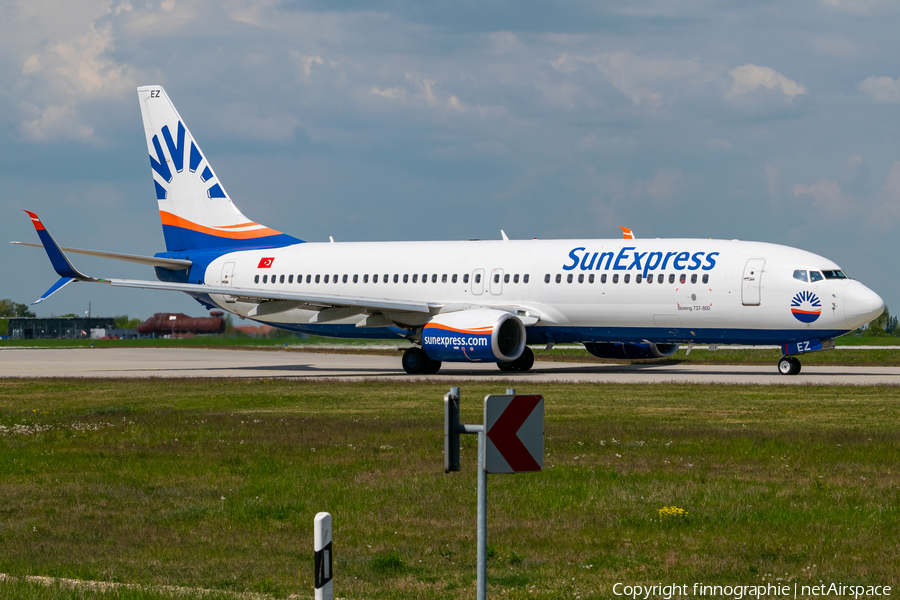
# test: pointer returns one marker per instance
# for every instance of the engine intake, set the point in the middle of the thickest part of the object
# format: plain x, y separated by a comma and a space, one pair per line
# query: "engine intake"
474, 335
631, 351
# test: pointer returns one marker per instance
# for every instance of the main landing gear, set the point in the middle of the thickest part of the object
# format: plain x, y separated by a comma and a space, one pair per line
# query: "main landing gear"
417, 362
521, 364
789, 365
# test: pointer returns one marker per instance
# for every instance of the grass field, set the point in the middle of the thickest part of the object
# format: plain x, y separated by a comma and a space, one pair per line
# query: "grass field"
207, 484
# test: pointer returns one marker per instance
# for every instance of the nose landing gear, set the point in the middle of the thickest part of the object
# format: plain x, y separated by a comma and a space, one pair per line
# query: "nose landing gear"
789, 365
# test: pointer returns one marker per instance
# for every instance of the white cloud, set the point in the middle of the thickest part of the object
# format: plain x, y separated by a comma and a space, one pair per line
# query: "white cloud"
427, 93
397, 93
635, 76
56, 122
750, 77
827, 197
881, 89
308, 62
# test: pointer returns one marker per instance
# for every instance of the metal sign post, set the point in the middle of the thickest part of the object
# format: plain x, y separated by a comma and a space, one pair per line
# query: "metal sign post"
322, 546
510, 441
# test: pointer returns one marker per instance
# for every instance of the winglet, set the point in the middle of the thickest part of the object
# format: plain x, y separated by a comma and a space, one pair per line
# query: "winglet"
59, 260
626, 233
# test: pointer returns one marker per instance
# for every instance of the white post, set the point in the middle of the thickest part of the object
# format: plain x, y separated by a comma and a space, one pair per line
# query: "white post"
322, 546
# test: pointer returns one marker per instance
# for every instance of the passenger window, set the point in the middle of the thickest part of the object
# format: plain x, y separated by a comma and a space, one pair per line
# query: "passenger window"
317, 278
405, 278
637, 278
496, 277
444, 278
336, 278
326, 279
265, 278
616, 278
800, 275
661, 278
344, 279
558, 278
256, 279
627, 278
453, 279
396, 278
672, 278
683, 278
650, 278
466, 278
506, 278
308, 277
591, 278
434, 278
281, 279
547, 278
478, 278
581, 278
815, 276
355, 278
693, 278
603, 278
366, 278
375, 278
569, 278
290, 279
516, 278
525, 278
415, 278
386, 278
706, 278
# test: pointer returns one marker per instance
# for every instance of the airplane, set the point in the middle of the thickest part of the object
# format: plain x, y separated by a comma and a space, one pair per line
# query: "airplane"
477, 300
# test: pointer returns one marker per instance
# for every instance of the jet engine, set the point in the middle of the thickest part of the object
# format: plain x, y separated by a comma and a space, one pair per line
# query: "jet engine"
632, 351
474, 335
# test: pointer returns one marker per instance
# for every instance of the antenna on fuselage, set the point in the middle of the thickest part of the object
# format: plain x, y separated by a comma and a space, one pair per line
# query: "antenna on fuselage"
503, 235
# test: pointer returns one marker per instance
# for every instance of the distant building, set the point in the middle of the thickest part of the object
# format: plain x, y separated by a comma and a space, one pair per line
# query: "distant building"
50, 328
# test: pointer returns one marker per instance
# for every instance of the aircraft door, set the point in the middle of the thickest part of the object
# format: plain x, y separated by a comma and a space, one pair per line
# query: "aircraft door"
227, 277
751, 282
497, 281
227, 273
478, 282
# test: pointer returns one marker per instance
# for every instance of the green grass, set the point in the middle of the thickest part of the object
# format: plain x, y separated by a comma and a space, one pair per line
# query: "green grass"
208, 484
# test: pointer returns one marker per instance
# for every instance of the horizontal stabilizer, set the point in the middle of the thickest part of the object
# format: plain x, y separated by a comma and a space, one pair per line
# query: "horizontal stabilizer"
63, 282
174, 264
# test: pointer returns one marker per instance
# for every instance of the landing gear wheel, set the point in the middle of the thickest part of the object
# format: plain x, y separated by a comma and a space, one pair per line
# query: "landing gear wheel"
788, 365
432, 367
521, 364
415, 361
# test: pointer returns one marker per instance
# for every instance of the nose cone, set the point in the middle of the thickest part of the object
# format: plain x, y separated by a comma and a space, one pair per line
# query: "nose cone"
861, 304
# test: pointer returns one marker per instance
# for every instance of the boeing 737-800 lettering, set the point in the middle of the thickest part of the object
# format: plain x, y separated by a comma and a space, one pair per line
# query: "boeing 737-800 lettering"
477, 301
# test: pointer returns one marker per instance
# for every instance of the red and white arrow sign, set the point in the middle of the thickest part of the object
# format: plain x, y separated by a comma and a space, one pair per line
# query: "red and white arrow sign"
515, 434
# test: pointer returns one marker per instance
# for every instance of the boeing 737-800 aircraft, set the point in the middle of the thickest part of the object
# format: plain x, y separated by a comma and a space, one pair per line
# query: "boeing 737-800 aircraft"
478, 301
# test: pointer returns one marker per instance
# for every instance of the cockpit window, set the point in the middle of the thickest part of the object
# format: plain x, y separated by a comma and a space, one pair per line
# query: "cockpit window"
815, 276
800, 274
835, 275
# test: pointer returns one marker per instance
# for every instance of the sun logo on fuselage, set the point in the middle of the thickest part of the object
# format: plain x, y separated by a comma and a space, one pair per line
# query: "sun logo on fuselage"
805, 307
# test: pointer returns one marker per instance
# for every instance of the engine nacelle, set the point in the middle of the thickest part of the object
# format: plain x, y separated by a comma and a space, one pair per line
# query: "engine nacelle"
474, 335
632, 351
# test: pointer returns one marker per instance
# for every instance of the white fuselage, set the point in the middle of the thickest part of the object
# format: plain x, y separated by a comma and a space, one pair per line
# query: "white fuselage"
665, 290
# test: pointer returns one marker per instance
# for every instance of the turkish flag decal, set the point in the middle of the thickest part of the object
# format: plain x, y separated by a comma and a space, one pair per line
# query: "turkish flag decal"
265, 263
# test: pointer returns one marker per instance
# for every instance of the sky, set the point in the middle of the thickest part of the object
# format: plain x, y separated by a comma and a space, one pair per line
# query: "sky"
768, 121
